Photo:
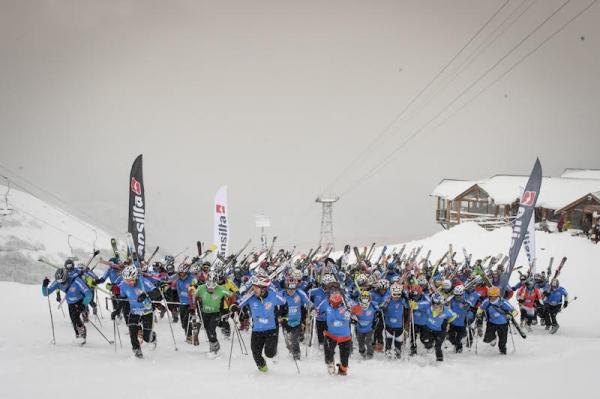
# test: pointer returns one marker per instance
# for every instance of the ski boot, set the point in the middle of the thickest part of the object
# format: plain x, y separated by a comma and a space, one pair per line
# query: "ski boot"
458, 349
342, 370
397, 353
263, 369
548, 326
439, 358
389, 354
175, 317
413, 350
138, 353
162, 312
493, 342
331, 368
189, 339
554, 329
529, 329
153, 340
296, 355
214, 347
542, 322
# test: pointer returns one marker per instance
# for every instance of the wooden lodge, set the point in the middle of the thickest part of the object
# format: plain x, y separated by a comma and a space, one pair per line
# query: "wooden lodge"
494, 202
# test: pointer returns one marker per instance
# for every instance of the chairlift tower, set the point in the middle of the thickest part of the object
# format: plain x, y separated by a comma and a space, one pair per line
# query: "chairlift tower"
326, 241
262, 221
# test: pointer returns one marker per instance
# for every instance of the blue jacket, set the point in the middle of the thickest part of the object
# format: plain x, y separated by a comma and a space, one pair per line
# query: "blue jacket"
419, 315
393, 312
75, 288
555, 296
112, 275
461, 308
496, 312
338, 319
142, 285
262, 310
436, 321
295, 303
365, 319
182, 288
317, 296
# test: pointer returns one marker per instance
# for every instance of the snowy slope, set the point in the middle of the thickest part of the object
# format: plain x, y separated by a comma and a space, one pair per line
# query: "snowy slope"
35, 228
543, 365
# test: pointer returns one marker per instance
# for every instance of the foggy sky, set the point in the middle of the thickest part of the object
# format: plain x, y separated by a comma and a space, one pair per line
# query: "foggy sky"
275, 99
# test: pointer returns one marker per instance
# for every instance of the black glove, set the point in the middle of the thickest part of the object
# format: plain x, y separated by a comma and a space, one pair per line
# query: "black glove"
142, 297
46, 282
58, 298
565, 304
113, 314
234, 308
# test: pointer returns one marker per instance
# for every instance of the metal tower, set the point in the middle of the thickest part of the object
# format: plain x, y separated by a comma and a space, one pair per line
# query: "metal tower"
326, 240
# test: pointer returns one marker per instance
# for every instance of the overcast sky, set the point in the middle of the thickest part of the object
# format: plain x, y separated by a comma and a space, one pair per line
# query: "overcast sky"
276, 99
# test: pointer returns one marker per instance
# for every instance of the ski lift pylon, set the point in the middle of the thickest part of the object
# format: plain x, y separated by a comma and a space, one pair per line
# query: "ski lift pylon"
5, 209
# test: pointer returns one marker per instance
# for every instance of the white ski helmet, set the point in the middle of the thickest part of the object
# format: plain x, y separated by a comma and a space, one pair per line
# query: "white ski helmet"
447, 285
383, 284
183, 268
328, 279
396, 289
260, 281
129, 273
459, 290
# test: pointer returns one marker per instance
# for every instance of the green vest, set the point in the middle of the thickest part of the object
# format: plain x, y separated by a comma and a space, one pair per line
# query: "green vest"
211, 302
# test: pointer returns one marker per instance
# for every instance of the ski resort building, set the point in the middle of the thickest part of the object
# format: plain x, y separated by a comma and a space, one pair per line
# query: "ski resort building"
574, 197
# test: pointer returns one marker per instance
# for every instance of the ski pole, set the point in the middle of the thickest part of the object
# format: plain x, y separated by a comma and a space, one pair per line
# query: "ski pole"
287, 344
243, 348
103, 336
512, 338
230, 354
115, 333
51, 321
119, 335
169, 318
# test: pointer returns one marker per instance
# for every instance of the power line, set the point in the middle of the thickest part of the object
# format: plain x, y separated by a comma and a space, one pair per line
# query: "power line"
389, 158
50, 224
412, 101
556, 32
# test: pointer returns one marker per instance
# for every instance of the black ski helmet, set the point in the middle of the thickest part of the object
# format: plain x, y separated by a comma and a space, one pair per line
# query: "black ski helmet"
61, 276
69, 264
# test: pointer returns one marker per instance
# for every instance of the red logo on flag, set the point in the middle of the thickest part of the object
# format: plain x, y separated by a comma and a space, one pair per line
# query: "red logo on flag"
528, 198
220, 208
136, 187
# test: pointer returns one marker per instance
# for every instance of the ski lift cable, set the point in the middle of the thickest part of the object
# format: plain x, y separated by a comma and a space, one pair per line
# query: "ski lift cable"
50, 224
403, 144
556, 32
480, 49
389, 126
81, 221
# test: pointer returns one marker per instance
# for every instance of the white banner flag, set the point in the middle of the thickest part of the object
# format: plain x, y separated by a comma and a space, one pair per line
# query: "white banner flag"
221, 236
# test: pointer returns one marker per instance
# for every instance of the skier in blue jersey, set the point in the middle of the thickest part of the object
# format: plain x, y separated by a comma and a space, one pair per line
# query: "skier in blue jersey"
437, 319
337, 316
78, 296
139, 292
393, 314
458, 326
498, 313
297, 301
364, 325
182, 282
317, 296
555, 299
264, 305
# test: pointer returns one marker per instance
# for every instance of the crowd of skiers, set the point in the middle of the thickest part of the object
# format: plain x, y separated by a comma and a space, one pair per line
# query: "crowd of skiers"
387, 305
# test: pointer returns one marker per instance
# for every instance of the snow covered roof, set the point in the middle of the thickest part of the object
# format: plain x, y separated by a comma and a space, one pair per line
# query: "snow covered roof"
581, 173
450, 189
555, 193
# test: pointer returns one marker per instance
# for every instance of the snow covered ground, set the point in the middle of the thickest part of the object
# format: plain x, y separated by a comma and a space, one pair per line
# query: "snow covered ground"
542, 366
